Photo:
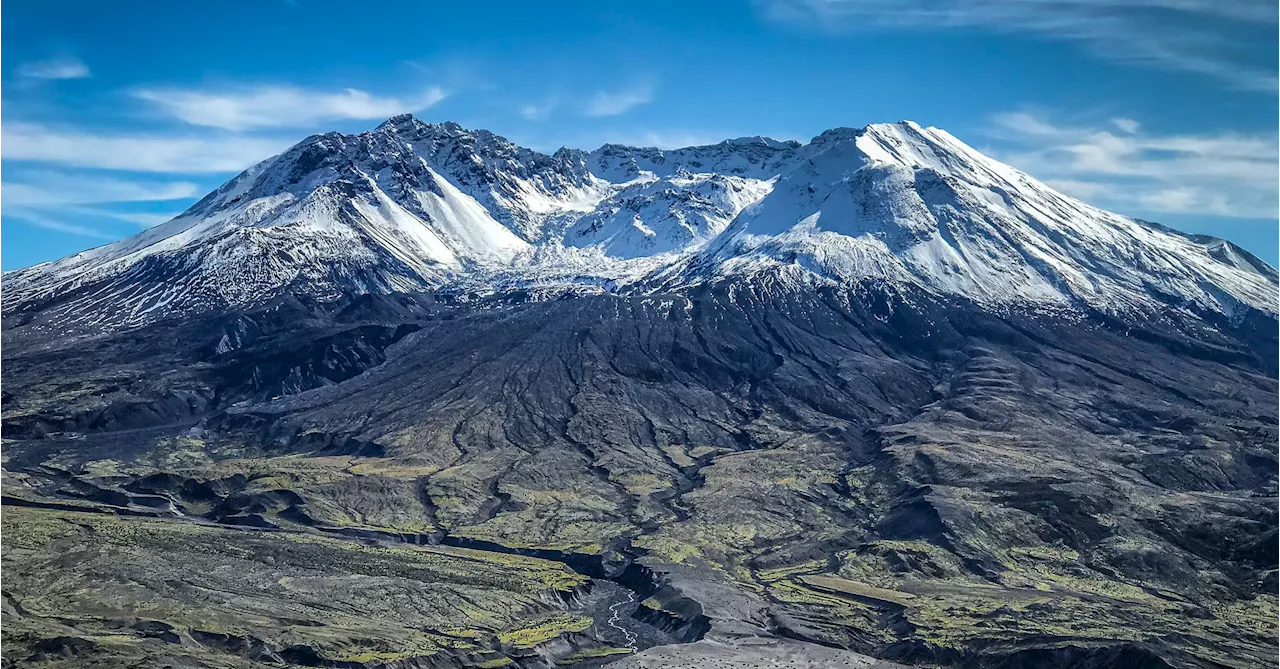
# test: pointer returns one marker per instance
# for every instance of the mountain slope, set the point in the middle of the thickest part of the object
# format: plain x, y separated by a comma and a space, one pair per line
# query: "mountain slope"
909, 477
671, 214
331, 215
411, 206
750, 157
907, 204
419, 397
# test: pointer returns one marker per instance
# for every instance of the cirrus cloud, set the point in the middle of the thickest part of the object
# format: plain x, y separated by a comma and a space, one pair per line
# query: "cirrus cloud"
280, 106
57, 225
1230, 40
538, 111
50, 188
614, 102
69, 202
139, 152
1121, 166
62, 67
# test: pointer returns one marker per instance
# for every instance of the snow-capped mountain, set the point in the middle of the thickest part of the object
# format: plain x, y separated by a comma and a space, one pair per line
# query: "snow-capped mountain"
412, 206
754, 157
335, 213
671, 214
913, 205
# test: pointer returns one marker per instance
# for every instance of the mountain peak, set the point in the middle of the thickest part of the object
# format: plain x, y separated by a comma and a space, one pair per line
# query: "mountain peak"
914, 205
905, 143
398, 121
407, 127
842, 133
760, 140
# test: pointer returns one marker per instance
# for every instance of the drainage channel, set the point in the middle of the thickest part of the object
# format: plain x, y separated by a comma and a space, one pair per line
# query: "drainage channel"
633, 606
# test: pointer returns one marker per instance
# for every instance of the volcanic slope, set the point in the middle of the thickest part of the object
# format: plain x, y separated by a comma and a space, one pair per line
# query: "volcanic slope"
800, 439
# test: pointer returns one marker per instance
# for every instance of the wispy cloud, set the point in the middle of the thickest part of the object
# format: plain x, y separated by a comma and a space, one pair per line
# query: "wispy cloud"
62, 67
1127, 125
592, 139
63, 202
662, 139
280, 106
595, 104
141, 219
50, 223
188, 154
1231, 40
1120, 166
49, 188
614, 102
538, 111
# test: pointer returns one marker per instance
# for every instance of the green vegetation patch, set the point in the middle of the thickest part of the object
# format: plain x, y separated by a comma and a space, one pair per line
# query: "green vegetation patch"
543, 630
350, 601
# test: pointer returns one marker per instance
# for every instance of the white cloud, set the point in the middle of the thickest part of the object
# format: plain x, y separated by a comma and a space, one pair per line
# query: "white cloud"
63, 201
1217, 38
1085, 190
1221, 174
136, 152
280, 106
597, 104
142, 219
662, 139
51, 200
612, 103
1126, 125
63, 67
589, 140
41, 188
1026, 124
42, 221
537, 111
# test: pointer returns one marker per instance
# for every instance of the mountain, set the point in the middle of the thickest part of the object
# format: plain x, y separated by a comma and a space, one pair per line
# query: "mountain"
420, 397
749, 157
665, 215
908, 204
365, 213
412, 206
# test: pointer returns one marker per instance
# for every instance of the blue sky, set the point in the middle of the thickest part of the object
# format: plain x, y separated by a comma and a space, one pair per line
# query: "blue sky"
119, 115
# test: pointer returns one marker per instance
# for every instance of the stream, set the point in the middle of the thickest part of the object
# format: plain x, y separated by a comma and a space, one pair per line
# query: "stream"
613, 620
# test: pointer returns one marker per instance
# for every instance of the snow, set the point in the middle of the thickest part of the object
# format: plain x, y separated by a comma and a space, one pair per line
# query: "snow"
413, 206
960, 223
459, 218
674, 214
754, 157
408, 237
